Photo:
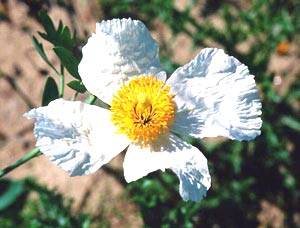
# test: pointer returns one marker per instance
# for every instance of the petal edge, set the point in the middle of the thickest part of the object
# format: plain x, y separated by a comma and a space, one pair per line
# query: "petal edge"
120, 49
216, 96
70, 134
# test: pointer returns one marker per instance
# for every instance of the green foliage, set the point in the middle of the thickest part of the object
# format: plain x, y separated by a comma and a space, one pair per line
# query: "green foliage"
46, 209
58, 37
50, 91
64, 46
68, 60
243, 173
77, 86
40, 49
160, 203
11, 192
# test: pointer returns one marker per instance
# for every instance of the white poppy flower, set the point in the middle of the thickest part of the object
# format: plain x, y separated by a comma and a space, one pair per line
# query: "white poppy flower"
213, 95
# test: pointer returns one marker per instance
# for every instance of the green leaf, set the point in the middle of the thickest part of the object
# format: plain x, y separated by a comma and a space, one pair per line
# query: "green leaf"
60, 37
68, 60
77, 86
49, 27
50, 91
60, 26
66, 38
291, 122
11, 193
40, 49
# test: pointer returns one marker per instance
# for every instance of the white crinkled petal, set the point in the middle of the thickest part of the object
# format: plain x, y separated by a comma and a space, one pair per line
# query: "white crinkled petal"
186, 161
120, 49
140, 161
77, 137
216, 96
191, 168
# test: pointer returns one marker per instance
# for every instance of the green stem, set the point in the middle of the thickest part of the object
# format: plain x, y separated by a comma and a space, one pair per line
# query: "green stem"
91, 99
61, 81
74, 96
32, 154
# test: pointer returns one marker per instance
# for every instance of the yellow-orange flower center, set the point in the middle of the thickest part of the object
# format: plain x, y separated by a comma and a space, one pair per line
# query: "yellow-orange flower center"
143, 109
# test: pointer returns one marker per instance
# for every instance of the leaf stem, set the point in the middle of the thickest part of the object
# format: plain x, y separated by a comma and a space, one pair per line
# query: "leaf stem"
74, 96
32, 154
61, 81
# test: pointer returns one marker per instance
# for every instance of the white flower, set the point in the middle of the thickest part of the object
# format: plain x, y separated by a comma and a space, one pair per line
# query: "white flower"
213, 95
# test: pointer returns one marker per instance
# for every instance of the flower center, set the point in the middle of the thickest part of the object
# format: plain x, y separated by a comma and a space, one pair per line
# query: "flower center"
143, 109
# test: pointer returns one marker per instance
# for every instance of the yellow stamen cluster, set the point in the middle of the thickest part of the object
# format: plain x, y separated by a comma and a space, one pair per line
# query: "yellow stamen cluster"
143, 109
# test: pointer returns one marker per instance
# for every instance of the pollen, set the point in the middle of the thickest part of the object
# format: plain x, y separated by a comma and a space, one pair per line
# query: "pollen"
143, 109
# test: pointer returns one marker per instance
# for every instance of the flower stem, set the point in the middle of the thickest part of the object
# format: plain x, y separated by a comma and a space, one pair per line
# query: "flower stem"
74, 96
91, 99
32, 154
61, 81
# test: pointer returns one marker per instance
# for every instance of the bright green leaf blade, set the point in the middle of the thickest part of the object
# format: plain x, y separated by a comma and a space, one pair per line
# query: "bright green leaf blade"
11, 194
77, 86
68, 60
50, 91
